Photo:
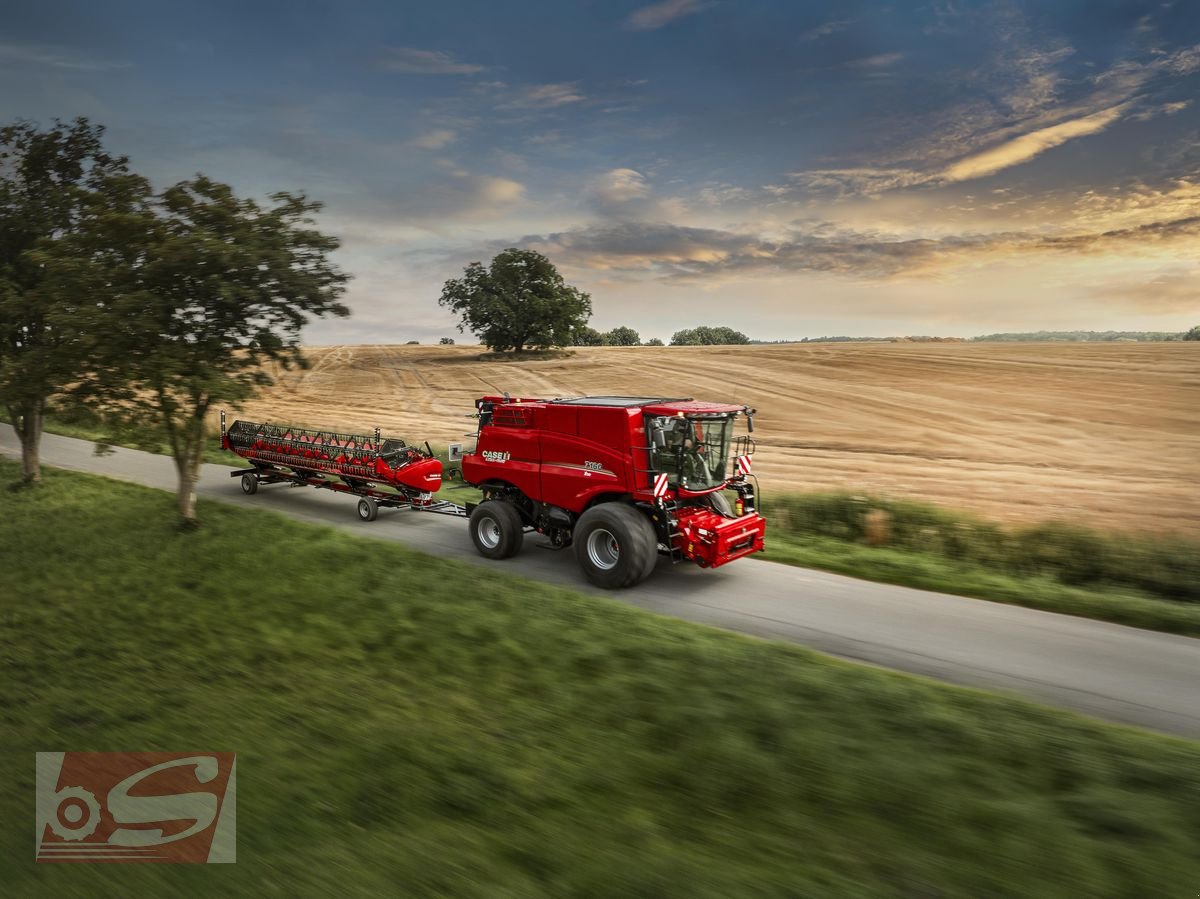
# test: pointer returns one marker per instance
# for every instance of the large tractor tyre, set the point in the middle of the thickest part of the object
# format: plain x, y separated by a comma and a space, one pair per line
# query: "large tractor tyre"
496, 529
615, 545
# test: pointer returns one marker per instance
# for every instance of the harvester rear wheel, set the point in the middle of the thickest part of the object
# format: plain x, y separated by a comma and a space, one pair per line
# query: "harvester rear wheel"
368, 509
249, 484
496, 529
615, 545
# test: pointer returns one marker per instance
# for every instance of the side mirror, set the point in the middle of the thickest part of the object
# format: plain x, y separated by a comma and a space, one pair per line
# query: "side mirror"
659, 438
456, 452
750, 424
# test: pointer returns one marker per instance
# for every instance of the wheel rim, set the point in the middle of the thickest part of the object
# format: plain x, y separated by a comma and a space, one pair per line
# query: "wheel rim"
603, 550
488, 530
364, 510
247, 484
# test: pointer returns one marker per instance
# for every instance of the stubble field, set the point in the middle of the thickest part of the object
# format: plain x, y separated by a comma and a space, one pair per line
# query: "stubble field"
1101, 434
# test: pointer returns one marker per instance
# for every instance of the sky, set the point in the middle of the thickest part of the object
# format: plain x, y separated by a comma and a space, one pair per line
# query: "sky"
790, 169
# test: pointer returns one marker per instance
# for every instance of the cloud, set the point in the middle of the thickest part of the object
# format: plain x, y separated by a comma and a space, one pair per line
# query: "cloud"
1162, 109
682, 253
1176, 291
411, 61
865, 181
499, 191
875, 61
547, 96
436, 139
626, 194
621, 186
57, 58
1182, 62
820, 31
659, 14
1027, 146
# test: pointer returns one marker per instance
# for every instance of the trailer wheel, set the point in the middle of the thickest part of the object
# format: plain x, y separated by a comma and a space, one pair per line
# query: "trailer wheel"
249, 484
368, 509
615, 545
496, 530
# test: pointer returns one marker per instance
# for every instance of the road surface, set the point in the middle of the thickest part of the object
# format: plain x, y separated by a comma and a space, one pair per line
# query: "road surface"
1118, 673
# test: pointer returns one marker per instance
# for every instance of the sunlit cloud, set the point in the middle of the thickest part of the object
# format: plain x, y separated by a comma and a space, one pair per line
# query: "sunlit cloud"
677, 252
1027, 146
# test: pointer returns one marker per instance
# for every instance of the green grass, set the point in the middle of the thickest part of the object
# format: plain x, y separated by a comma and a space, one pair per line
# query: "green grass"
406, 726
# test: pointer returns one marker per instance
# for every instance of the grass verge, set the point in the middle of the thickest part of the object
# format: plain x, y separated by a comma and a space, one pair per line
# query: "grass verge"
405, 726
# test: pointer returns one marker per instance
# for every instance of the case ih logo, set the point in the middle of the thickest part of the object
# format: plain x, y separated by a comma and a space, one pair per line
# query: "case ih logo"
166, 807
495, 456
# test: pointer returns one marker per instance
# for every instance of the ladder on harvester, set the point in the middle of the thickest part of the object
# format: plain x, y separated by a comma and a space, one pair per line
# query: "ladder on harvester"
668, 507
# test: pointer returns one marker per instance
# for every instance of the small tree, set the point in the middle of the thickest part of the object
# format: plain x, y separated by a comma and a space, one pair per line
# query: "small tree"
654, 341
446, 341
520, 300
47, 179
205, 290
622, 336
1193, 334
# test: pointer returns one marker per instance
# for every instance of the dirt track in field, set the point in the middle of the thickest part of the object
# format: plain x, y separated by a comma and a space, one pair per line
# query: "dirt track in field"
1104, 434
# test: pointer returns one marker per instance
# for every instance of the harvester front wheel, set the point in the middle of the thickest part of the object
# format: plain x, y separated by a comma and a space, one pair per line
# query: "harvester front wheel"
615, 545
249, 484
368, 509
496, 530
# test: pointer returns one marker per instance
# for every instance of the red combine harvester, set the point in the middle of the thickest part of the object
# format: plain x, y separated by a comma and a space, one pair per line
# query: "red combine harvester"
621, 479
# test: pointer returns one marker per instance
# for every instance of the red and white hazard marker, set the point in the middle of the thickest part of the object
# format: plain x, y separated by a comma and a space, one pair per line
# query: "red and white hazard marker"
660, 485
743, 464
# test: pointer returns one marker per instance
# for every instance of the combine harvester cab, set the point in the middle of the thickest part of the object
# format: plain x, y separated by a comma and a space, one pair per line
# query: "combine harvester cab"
621, 479
380, 471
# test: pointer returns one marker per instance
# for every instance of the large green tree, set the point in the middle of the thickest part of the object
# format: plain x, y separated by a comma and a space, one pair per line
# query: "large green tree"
622, 336
706, 336
1193, 334
203, 290
49, 179
519, 301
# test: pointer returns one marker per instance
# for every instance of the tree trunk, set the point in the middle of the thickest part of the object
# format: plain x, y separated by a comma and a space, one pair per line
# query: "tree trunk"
188, 469
27, 422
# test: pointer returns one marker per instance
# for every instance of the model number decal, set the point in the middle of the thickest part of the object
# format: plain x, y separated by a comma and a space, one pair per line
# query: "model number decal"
495, 456
593, 466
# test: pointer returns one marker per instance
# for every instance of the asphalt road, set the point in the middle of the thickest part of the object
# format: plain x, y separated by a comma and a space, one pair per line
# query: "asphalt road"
1118, 673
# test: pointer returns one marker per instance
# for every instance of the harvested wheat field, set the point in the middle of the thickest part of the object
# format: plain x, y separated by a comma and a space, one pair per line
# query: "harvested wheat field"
1103, 434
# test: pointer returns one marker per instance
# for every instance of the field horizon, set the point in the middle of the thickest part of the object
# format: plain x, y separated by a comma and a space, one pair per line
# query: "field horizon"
1098, 434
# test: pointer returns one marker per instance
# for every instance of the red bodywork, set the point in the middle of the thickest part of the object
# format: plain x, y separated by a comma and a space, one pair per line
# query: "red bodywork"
344, 455
571, 455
